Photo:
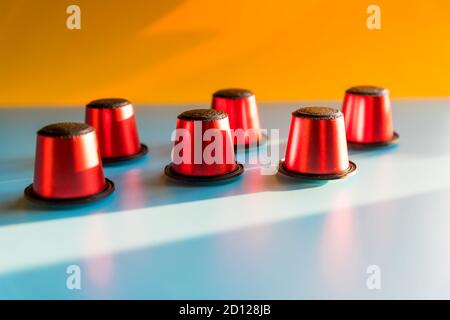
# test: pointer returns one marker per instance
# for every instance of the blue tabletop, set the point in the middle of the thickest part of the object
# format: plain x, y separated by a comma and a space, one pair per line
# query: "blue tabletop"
260, 236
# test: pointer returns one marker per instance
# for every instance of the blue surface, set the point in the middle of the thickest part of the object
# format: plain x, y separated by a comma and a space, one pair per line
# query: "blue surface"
257, 237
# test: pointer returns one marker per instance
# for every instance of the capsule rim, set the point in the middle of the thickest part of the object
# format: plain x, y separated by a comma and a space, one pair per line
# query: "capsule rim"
333, 114
108, 103
65, 130
37, 199
374, 145
351, 170
202, 115
368, 91
142, 152
168, 171
233, 93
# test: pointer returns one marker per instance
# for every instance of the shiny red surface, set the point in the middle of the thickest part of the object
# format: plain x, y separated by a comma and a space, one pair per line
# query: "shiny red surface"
368, 118
116, 130
242, 114
317, 146
68, 168
192, 167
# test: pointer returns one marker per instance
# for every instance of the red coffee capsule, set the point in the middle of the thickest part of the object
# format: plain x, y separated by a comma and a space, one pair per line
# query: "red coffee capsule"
240, 105
368, 117
317, 148
203, 149
68, 168
115, 124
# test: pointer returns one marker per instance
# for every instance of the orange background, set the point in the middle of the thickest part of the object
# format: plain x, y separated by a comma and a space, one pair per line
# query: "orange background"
172, 51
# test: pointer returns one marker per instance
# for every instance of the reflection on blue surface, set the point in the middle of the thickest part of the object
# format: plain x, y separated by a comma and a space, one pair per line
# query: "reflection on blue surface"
319, 256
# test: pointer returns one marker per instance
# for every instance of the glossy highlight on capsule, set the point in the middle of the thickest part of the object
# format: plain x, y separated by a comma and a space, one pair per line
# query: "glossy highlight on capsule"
317, 147
68, 168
